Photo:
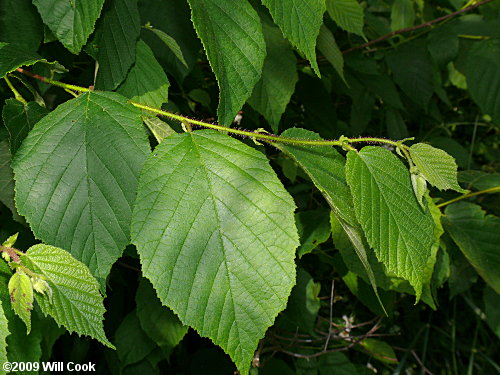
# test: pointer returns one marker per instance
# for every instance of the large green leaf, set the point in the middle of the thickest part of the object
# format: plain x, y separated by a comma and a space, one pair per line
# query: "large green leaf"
158, 321
215, 231
76, 302
13, 56
146, 81
436, 165
71, 21
412, 70
19, 119
273, 92
348, 14
76, 177
396, 227
477, 235
232, 36
482, 70
325, 167
4, 332
116, 37
300, 21
20, 24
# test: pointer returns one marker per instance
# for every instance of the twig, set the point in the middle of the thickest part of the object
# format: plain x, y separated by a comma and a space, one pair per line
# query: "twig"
413, 28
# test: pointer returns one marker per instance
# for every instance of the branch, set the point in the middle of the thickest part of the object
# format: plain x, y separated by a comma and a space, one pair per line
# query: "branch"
413, 28
265, 137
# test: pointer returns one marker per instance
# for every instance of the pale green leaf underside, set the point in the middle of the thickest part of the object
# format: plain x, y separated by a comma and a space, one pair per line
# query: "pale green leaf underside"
21, 297
146, 81
299, 20
116, 38
76, 176
395, 225
279, 76
4, 332
436, 165
215, 231
478, 236
71, 21
348, 14
76, 302
232, 36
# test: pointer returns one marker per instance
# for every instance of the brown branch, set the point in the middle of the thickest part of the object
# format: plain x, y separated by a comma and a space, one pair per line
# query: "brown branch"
413, 28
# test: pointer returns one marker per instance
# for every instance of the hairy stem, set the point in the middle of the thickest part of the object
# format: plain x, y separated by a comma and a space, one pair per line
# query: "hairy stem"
265, 137
18, 96
495, 189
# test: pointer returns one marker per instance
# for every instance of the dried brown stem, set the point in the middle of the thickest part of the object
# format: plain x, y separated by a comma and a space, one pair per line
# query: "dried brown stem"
417, 27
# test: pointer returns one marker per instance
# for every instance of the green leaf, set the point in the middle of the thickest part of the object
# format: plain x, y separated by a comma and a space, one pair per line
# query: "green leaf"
215, 231
303, 305
158, 321
300, 21
491, 309
76, 177
21, 296
19, 119
328, 47
232, 36
479, 180
20, 24
116, 37
402, 14
314, 229
170, 42
396, 227
7, 178
412, 70
380, 350
436, 165
172, 17
477, 235
348, 14
71, 21
146, 81
482, 70
76, 302
159, 128
325, 167
336, 363
279, 75
132, 343
4, 332
13, 56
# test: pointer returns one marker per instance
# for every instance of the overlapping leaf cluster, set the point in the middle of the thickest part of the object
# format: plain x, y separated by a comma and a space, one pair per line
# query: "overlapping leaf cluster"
215, 223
